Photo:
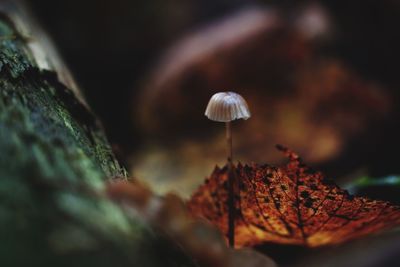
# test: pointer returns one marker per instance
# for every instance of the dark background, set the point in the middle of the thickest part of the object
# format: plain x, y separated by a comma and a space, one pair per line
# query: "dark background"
111, 46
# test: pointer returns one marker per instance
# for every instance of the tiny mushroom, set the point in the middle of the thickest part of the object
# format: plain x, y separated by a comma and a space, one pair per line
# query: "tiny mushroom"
227, 107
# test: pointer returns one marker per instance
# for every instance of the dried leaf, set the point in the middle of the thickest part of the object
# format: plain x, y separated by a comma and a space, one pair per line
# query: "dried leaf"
291, 204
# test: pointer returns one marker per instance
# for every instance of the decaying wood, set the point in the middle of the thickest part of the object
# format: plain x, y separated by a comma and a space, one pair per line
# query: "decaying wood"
54, 163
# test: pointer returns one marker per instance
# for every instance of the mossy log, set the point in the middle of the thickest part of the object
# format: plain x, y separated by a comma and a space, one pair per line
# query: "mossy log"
55, 162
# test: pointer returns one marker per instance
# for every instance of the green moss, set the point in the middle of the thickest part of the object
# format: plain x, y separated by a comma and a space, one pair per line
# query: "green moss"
54, 162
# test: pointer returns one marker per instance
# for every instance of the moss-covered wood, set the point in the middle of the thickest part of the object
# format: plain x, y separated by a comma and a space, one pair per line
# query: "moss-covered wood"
54, 163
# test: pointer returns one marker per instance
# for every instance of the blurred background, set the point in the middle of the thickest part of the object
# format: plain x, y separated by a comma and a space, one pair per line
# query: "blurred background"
320, 77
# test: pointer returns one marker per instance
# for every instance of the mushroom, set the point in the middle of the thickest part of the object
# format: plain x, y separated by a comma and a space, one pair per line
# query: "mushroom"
227, 107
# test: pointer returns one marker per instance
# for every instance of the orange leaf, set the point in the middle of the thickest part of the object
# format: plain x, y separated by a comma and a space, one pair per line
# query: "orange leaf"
291, 204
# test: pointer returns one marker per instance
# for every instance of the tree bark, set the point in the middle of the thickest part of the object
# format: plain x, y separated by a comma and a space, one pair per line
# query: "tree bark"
54, 163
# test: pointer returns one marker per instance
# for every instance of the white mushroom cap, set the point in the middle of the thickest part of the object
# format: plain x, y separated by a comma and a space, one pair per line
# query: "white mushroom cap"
227, 106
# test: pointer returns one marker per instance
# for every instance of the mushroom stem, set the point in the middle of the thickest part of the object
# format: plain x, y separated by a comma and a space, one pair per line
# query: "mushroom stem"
229, 141
231, 180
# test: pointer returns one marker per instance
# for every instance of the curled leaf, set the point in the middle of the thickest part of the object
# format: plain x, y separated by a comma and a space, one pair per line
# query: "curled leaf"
291, 204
